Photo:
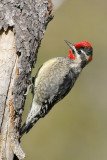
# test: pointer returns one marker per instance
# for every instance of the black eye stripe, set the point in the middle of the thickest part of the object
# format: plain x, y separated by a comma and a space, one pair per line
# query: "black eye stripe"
88, 51
79, 51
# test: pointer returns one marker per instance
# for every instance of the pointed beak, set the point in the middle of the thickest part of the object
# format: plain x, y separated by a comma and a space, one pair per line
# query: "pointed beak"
72, 47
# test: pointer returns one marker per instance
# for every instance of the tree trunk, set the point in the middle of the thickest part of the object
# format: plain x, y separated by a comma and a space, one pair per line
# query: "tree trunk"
22, 26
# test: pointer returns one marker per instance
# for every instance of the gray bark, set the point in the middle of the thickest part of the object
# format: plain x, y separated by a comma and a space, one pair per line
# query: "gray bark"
22, 26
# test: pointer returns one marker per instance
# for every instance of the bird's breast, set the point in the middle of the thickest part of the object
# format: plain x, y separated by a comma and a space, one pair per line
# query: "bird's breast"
54, 79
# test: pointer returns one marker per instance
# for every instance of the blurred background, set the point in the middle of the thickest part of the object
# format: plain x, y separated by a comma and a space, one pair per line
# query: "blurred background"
76, 127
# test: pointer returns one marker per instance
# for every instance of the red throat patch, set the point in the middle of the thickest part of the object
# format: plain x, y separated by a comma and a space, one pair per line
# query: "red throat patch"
71, 56
90, 59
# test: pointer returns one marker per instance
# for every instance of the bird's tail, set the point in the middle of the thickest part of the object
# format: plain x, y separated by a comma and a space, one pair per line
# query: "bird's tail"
27, 126
24, 129
32, 118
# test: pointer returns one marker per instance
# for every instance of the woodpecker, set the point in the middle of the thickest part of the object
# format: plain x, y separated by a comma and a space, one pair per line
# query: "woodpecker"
55, 79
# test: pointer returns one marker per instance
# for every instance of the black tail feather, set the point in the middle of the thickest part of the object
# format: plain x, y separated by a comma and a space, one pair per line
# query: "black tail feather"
26, 127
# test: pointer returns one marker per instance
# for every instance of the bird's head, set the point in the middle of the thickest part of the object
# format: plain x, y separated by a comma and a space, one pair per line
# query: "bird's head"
80, 52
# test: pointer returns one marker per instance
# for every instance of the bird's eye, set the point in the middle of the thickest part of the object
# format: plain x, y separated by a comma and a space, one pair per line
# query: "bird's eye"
79, 51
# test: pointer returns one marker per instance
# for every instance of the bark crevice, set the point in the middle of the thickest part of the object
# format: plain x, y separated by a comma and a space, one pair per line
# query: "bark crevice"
22, 26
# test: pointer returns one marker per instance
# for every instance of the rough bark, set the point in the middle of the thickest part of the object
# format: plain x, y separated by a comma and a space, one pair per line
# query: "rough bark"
22, 26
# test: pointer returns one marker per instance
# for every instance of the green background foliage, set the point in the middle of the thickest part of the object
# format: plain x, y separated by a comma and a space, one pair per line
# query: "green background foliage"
76, 128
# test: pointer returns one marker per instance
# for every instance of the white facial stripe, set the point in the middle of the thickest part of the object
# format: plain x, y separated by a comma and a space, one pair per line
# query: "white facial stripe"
78, 59
75, 50
85, 54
